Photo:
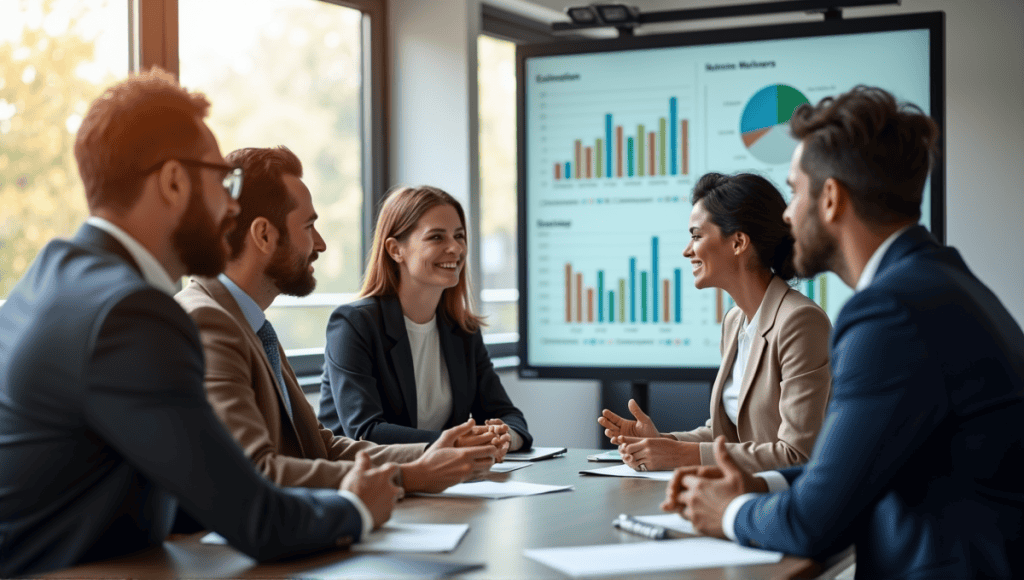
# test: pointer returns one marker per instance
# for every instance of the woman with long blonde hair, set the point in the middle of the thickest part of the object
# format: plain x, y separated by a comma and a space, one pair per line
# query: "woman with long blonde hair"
407, 359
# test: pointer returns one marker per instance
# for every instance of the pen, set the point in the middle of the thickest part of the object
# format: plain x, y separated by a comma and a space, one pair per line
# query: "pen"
634, 526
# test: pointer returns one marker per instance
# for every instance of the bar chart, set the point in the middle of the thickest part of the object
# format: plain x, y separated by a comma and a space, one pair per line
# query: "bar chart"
618, 153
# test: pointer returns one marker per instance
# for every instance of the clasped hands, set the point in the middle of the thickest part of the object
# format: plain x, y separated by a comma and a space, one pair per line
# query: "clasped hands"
461, 453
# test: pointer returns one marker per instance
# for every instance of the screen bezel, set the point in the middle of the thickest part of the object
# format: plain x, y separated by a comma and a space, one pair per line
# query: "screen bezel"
934, 22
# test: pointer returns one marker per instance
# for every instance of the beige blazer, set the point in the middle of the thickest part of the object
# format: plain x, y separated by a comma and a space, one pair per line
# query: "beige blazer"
240, 387
785, 389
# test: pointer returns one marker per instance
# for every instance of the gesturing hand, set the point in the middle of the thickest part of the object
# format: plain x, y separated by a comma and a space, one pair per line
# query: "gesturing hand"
657, 453
375, 486
615, 425
704, 497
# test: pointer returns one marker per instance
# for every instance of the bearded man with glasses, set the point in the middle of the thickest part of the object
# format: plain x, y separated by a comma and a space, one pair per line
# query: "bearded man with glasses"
104, 425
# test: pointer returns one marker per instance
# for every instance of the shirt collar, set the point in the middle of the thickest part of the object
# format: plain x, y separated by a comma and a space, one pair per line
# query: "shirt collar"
253, 313
152, 271
871, 268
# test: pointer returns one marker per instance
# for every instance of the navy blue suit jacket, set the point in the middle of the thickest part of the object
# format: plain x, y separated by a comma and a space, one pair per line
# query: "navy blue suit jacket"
919, 461
368, 390
105, 427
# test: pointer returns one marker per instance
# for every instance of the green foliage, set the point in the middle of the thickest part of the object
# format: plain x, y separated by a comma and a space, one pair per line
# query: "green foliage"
42, 99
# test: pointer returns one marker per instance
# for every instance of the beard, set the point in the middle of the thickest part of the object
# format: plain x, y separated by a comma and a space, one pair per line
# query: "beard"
290, 271
201, 244
815, 250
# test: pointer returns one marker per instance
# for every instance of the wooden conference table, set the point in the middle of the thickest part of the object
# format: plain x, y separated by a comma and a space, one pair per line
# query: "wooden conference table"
499, 532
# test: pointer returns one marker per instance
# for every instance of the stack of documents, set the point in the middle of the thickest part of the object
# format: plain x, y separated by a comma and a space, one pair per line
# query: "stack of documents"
638, 558
396, 537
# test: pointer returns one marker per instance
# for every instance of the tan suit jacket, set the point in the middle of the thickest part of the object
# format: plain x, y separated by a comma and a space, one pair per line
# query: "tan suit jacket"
240, 386
785, 389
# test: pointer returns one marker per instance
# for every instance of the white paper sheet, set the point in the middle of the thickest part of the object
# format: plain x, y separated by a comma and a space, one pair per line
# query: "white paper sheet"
497, 490
671, 521
636, 558
507, 466
535, 454
396, 537
627, 471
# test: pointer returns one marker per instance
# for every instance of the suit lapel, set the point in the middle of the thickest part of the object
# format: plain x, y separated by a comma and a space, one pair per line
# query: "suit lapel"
769, 309
400, 353
720, 420
455, 361
222, 295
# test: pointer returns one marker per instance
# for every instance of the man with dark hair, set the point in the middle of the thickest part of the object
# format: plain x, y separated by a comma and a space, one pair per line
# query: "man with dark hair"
917, 464
104, 427
249, 382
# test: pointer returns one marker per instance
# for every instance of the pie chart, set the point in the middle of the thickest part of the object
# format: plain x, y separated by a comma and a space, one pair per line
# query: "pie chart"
764, 126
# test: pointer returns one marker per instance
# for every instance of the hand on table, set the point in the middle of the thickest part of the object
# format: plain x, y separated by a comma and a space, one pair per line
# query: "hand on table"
502, 437
656, 453
701, 494
615, 425
443, 464
375, 486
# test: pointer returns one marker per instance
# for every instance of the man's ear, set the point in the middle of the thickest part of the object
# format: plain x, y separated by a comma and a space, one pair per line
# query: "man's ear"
394, 249
834, 201
174, 184
263, 235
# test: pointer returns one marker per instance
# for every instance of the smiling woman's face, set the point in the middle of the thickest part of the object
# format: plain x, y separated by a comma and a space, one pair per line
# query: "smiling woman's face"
710, 252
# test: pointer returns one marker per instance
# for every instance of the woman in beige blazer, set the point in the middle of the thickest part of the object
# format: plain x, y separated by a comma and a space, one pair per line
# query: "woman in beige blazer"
770, 395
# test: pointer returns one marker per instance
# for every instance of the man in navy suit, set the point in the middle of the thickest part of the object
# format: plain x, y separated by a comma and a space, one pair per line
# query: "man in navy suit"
918, 462
104, 425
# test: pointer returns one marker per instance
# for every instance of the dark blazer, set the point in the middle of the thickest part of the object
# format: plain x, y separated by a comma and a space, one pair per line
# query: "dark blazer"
918, 463
368, 389
105, 428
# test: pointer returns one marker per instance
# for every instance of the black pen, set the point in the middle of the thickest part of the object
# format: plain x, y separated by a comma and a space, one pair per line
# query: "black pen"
634, 526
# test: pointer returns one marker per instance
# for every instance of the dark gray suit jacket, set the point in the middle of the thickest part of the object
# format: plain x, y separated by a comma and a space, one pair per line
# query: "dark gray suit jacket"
368, 389
918, 463
105, 428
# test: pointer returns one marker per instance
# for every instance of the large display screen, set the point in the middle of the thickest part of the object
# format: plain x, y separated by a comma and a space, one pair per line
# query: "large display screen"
612, 137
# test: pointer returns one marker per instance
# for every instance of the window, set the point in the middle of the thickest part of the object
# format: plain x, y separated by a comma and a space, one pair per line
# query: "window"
56, 56
288, 72
496, 73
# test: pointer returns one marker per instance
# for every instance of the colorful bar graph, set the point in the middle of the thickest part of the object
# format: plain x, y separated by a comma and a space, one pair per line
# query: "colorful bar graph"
663, 151
660, 299
558, 170
629, 149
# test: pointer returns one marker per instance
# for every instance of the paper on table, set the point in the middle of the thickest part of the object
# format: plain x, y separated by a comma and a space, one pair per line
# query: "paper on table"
671, 521
374, 566
535, 454
636, 558
396, 537
507, 467
627, 471
497, 490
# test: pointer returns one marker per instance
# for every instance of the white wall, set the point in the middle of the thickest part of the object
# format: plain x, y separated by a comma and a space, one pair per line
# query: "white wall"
433, 132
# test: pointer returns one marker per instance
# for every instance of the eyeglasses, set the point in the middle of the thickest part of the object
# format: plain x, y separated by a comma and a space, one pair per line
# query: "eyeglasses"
232, 180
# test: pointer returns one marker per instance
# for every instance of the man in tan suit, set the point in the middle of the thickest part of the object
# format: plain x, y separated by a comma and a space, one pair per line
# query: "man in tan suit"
248, 379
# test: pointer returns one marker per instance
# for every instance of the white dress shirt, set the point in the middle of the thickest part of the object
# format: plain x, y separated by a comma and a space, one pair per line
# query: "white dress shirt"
775, 480
731, 388
433, 387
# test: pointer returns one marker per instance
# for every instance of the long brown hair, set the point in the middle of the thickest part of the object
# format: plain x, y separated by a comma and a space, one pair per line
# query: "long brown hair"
401, 211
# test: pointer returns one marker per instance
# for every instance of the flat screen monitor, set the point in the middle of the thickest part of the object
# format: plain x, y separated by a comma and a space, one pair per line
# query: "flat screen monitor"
613, 135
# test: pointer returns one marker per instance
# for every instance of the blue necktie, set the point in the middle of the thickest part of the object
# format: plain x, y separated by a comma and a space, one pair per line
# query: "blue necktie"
269, 339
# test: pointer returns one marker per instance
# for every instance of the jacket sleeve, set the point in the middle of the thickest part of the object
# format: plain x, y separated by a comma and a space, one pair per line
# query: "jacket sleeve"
145, 398
803, 395
886, 402
351, 394
491, 399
